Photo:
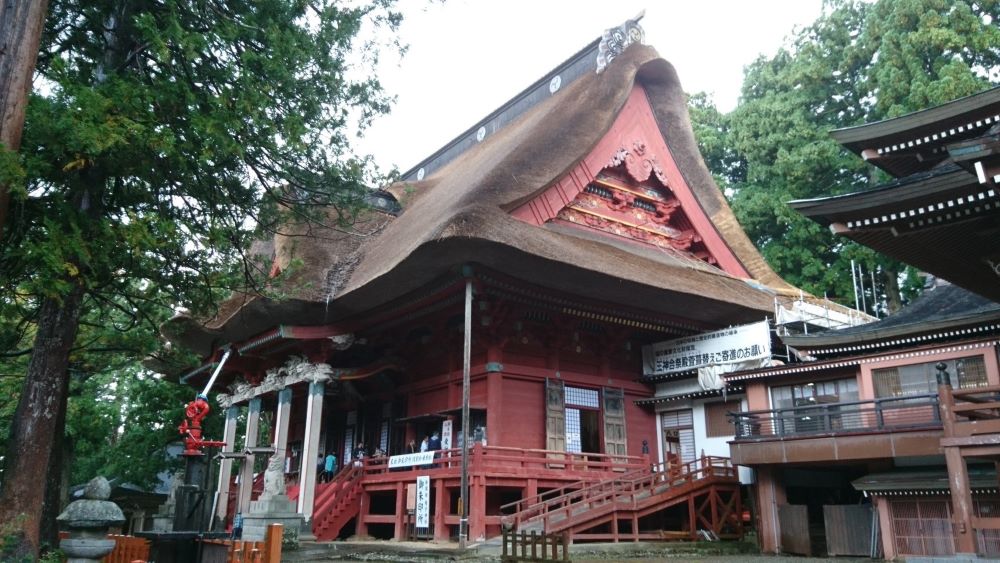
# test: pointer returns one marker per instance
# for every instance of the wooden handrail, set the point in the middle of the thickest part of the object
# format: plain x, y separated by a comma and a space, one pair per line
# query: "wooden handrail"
965, 393
518, 457
622, 487
342, 485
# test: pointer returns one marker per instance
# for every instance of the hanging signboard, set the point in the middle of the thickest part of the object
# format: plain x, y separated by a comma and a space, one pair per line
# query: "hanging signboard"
423, 510
728, 346
409, 460
446, 435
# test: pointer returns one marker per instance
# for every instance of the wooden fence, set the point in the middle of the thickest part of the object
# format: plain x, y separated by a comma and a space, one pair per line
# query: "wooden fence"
235, 551
127, 549
130, 549
534, 546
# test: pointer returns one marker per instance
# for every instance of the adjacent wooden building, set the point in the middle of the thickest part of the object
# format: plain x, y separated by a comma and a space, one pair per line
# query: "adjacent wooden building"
881, 439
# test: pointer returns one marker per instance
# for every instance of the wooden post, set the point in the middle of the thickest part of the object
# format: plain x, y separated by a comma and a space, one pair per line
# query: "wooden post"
399, 534
463, 521
361, 526
440, 510
961, 501
477, 508
531, 490
692, 519
958, 474
272, 543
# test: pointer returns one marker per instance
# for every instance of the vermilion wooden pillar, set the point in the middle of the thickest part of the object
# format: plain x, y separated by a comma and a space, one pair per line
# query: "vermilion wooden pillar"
399, 533
477, 510
440, 509
361, 526
532, 488
494, 400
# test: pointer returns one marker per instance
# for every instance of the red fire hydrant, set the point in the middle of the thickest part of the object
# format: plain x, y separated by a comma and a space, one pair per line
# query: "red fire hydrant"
196, 411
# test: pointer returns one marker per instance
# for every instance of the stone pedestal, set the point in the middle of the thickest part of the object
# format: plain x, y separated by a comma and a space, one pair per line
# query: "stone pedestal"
274, 509
163, 519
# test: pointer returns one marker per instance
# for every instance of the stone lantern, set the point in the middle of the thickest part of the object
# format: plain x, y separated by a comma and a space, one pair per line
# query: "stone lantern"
87, 521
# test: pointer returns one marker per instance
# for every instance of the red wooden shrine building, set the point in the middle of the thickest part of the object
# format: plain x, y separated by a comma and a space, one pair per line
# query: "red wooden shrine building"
584, 217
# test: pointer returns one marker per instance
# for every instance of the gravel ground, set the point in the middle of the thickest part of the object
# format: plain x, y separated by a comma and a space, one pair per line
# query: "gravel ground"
424, 552
733, 559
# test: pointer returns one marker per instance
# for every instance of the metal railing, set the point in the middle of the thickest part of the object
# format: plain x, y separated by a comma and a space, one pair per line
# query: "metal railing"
879, 415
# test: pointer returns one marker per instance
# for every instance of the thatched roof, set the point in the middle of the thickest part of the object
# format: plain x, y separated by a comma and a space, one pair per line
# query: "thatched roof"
460, 214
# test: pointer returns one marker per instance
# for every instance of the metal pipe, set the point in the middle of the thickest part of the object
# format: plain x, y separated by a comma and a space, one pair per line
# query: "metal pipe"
215, 374
463, 522
874, 301
861, 282
854, 287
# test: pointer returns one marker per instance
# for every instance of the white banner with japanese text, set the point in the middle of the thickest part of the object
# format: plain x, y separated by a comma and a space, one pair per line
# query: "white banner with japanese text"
409, 460
446, 434
423, 509
727, 346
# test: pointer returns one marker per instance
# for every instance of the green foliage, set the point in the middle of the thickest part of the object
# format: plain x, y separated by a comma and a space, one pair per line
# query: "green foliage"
165, 138
859, 62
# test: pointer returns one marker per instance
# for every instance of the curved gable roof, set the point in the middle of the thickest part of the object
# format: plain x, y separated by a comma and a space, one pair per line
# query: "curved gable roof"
460, 214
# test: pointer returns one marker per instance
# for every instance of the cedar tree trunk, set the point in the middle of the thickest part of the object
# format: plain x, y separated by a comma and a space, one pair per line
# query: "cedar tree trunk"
57, 476
21, 23
36, 420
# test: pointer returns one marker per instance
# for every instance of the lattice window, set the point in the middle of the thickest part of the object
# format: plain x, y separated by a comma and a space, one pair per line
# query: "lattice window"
587, 398
348, 444
383, 436
922, 527
920, 379
573, 442
988, 540
677, 418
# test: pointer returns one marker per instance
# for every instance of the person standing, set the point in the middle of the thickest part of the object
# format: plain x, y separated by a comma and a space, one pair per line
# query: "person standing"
435, 442
411, 447
359, 454
329, 466
424, 444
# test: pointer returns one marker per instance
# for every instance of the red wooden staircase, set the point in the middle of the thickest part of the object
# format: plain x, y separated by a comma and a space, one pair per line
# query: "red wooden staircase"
611, 510
337, 503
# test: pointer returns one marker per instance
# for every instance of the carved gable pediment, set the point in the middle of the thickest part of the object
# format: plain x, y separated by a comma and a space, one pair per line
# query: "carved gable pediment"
630, 187
646, 212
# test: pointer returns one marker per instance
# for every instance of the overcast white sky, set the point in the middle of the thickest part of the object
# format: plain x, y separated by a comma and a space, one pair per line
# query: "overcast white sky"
468, 57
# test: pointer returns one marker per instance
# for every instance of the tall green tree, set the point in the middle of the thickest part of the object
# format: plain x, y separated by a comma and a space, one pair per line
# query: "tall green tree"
170, 135
859, 62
